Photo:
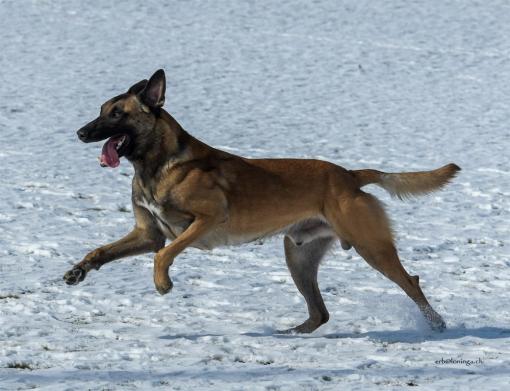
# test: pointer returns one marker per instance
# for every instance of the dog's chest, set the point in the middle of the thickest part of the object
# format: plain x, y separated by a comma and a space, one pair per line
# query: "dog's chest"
171, 224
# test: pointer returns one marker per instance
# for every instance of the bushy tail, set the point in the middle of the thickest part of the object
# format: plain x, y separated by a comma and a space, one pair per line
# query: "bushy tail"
408, 184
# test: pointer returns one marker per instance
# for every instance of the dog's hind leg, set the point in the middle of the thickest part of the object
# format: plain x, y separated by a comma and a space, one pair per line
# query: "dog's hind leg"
363, 221
383, 257
303, 263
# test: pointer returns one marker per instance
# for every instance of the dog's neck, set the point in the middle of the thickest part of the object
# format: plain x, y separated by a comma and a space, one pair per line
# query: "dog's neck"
168, 142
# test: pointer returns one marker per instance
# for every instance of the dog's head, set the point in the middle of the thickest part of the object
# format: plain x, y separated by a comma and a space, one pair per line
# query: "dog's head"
127, 121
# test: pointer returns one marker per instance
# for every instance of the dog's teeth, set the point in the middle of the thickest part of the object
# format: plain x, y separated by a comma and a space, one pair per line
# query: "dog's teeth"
120, 143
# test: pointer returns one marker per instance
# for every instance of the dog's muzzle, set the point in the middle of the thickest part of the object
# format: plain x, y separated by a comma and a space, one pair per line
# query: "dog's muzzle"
82, 134
92, 132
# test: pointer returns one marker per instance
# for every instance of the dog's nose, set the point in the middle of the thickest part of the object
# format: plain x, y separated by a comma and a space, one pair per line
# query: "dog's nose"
82, 134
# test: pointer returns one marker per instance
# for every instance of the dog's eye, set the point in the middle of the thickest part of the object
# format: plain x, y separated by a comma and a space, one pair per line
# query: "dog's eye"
116, 112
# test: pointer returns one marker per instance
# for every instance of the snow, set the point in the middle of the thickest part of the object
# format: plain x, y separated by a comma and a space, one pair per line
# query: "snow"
395, 86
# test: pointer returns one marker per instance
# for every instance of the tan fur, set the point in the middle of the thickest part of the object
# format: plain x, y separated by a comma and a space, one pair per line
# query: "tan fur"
408, 184
199, 196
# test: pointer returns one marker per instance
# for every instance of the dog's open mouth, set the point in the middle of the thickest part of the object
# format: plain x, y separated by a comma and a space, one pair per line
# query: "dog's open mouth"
112, 150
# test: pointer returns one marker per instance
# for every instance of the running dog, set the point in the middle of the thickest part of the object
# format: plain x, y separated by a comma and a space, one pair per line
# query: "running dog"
195, 195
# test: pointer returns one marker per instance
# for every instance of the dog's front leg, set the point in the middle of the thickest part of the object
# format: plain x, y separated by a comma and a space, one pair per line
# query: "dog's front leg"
165, 257
138, 241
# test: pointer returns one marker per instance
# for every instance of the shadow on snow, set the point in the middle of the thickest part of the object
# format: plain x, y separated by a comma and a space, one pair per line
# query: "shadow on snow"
408, 336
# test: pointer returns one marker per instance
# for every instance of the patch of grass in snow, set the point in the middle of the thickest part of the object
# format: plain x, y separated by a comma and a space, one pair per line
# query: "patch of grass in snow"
8, 296
20, 365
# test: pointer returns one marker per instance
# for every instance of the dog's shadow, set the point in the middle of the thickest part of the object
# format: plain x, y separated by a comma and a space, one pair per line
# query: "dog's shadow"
406, 336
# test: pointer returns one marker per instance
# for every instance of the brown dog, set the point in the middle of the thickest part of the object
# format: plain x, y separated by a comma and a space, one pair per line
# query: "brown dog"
196, 195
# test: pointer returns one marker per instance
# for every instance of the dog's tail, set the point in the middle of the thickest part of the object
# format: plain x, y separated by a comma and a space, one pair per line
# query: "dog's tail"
408, 184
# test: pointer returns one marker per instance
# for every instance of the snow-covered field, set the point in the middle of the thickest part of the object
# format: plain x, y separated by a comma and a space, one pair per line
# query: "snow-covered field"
393, 85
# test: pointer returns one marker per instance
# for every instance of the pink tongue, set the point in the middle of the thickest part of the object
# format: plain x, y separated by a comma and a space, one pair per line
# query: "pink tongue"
109, 156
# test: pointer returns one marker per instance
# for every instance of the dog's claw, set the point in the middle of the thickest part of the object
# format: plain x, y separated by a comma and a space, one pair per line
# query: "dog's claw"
75, 275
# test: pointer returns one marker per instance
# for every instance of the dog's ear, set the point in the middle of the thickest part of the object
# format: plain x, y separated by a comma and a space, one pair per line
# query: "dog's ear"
138, 87
153, 94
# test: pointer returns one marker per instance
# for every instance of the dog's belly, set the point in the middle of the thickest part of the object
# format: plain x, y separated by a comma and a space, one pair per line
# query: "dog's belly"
222, 237
172, 226
216, 238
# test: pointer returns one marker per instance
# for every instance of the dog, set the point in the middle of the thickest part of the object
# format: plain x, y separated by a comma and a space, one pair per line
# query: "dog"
195, 195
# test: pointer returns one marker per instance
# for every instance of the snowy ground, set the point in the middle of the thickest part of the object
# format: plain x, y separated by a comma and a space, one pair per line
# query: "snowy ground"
394, 85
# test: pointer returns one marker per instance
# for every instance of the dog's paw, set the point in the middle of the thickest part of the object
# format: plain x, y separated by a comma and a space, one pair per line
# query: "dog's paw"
164, 287
162, 281
438, 325
435, 321
301, 329
75, 275
291, 331
308, 326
